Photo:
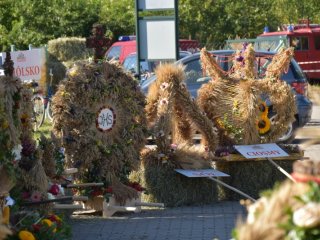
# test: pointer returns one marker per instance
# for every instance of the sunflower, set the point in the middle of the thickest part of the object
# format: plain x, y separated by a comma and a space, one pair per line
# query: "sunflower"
263, 125
263, 108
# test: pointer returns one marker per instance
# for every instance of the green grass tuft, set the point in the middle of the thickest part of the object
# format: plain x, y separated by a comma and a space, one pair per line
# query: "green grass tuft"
45, 129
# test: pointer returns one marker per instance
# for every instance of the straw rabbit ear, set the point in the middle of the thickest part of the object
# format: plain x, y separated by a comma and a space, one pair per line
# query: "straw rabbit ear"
210, 65
249, 59
279, 64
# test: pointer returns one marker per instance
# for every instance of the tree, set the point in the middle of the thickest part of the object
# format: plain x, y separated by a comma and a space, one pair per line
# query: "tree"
118, 17
37, 22
291, 11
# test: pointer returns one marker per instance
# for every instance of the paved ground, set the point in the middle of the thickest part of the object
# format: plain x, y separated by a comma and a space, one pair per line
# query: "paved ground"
214, 221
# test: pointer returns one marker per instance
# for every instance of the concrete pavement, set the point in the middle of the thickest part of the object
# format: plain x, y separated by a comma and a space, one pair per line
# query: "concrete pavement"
214, 221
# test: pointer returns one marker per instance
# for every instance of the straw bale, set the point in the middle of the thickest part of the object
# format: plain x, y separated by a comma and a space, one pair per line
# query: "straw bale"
68, 48
251, 177
164, 185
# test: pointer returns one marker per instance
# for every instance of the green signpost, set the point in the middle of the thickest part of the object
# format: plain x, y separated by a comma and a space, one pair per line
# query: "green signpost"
156, 30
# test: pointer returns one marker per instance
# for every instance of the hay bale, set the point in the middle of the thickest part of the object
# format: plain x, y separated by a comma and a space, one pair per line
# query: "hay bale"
68, 49
164, 185
251, 177
62, 53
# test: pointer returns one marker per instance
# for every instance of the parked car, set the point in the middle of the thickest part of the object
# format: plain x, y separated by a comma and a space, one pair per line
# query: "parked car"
127, 45
294, 77
146, 67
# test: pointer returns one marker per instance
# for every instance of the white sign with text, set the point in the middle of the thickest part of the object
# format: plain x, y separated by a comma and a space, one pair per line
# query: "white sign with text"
29, 64
202, 173
268, 150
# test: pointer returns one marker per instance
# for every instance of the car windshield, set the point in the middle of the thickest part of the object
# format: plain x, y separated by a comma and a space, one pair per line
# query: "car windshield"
130, 64
114, 53
270, 43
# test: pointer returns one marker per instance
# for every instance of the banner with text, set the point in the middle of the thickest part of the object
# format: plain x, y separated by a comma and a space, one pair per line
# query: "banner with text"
29, 65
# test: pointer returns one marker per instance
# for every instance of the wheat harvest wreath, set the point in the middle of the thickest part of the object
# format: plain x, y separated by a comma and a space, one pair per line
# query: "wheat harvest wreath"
99, 116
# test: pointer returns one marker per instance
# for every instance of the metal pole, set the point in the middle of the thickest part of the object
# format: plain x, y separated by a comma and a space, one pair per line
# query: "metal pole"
138, 38
281, 170
232, 188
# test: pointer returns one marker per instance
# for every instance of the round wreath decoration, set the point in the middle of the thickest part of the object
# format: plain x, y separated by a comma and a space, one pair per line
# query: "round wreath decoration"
98, 114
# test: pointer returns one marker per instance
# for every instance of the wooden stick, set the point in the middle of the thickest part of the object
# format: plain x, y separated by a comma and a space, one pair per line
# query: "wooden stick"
146, 204
80, 198
61, 199
232, 188
79, 185
67, 206
281, 170
121, 208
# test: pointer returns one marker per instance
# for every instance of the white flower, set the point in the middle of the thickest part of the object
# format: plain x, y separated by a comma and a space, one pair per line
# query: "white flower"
164, 101
307, 216
164, 85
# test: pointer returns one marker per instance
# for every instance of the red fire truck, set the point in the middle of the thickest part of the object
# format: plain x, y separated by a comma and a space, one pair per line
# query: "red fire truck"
305, 38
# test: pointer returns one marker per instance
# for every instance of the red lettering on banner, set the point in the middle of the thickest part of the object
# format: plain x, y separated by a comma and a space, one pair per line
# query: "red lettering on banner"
36, 70
28, 71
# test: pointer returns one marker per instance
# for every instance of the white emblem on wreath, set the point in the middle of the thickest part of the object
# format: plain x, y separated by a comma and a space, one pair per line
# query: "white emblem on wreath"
106, 119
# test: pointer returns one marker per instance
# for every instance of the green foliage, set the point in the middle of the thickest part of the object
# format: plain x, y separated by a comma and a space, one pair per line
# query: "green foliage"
118, 17
211, 22
313, 195
37, 22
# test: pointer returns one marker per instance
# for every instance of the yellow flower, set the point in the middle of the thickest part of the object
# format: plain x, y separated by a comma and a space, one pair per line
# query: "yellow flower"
220, 123
263, 125
263, 108
73, 72
26, 235
49, 223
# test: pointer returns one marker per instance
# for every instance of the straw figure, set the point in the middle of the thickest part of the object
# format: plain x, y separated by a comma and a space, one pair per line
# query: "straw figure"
235, 101
98, 114
172, 112
291, 211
